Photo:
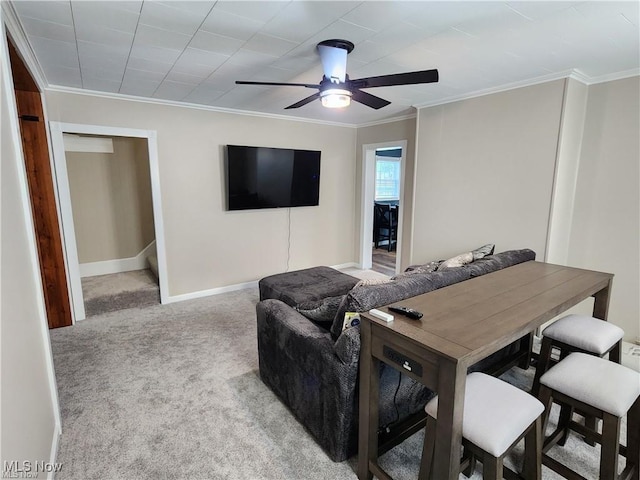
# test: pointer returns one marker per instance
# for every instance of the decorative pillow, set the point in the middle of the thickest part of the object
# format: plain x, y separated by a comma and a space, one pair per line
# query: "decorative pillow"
321, 311
456, 261
416, 271
426, 268
467, 257
483, 251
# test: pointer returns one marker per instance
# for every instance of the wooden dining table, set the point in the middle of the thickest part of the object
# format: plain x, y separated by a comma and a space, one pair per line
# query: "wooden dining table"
461, 325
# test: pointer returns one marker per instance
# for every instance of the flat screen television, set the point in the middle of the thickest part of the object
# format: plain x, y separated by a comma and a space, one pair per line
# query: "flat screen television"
262, 177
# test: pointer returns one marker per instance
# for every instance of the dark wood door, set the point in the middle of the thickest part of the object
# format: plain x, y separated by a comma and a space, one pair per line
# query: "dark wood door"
42, 195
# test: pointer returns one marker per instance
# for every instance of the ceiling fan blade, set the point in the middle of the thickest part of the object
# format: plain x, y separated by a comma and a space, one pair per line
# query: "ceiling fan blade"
408, 78
279, 84
304, 101
368, 99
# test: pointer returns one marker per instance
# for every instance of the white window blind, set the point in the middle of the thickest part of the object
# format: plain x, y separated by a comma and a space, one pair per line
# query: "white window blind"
387, 178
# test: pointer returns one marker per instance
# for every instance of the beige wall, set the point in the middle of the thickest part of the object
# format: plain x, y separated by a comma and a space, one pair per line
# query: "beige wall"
484, 172
27, 402
111, 201
389, 132
208, 247
552, 167
606, 221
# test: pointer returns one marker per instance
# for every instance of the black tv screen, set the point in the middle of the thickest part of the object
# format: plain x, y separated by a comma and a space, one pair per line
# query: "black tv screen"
262, 177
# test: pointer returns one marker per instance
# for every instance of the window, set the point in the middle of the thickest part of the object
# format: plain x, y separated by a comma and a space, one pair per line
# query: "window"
387, 178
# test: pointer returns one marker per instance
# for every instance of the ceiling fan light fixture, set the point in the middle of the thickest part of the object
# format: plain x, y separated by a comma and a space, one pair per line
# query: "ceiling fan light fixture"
335, 98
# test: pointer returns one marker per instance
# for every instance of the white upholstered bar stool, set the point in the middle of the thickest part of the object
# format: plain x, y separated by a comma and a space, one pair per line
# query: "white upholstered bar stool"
578, 333
496, 417
605, 390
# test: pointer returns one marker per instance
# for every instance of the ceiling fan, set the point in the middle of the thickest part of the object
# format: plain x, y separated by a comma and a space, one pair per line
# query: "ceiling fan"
336, 89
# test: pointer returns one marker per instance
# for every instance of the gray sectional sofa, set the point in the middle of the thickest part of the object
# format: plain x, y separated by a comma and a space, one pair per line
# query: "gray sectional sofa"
311, 364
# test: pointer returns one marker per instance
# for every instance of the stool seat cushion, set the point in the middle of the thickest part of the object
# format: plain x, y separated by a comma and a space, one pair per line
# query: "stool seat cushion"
495, 413
605, 385
584, 332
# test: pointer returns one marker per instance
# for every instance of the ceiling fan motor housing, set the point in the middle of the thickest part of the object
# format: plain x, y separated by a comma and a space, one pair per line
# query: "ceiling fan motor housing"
338, 43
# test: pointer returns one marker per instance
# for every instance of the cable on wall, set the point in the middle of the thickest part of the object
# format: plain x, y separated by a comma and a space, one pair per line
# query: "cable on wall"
289, 240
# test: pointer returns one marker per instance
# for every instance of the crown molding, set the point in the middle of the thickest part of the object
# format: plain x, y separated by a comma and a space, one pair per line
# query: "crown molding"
504, 88
634, 72
388, 120
579, 76
574, 74
193, 106
19, 38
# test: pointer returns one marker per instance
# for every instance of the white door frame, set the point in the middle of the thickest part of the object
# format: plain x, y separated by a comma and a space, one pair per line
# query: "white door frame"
66, 217
368, 196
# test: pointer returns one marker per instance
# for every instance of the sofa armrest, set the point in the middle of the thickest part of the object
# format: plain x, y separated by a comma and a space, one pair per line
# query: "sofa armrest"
347, 347
292, 332
298, 361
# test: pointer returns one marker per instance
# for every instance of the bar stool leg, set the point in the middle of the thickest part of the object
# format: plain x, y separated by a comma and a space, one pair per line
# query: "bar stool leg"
610, 447
532, 469
633, 438
566, 413
592, 424
545, 398
427, 451
615, 355
544, 360
492, 468
466, 454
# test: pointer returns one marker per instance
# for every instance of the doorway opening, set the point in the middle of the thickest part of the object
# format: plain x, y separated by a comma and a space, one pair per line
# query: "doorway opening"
109, 194
383, 172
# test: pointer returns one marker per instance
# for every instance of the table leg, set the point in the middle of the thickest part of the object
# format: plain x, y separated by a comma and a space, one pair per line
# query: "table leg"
601, 303
451, 384
369, 393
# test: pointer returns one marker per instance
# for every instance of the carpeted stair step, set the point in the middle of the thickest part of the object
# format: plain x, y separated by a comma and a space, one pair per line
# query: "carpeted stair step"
119, 291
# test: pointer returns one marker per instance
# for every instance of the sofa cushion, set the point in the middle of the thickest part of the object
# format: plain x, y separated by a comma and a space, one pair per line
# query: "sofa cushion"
310, 284
364, 298
499, 261
321, 311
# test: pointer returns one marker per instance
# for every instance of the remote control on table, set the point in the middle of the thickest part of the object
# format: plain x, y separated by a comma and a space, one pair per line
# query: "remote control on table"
409, 312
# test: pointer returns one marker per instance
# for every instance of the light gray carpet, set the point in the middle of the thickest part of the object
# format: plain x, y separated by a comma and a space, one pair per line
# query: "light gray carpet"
119, 291
172, 392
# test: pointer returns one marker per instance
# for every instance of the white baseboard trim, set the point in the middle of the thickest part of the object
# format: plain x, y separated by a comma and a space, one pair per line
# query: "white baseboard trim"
344, 266
57, 432
232, 288
139, 262
212, 291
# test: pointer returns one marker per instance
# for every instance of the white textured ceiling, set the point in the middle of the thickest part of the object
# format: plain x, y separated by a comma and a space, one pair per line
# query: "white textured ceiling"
193, 51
